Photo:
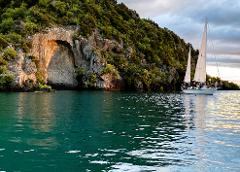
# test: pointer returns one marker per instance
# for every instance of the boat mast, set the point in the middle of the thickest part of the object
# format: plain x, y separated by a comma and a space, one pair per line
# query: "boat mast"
200, 72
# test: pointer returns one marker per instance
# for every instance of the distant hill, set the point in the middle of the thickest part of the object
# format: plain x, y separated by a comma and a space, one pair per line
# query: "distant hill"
157, 55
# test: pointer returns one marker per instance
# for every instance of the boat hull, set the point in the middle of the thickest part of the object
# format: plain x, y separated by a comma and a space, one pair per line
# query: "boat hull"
208, 91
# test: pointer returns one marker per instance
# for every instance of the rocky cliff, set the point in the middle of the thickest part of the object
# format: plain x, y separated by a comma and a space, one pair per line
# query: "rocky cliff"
87, 44
63, 59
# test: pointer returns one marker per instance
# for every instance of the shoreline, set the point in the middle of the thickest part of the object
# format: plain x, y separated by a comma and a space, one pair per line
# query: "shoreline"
100, 90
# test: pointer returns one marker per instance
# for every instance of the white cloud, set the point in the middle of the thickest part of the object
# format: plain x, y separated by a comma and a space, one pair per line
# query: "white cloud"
186, 17
226, 73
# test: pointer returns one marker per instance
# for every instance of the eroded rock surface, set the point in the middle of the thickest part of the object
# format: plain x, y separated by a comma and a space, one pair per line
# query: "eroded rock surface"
57, 53
24, 70
52, 50
61, 69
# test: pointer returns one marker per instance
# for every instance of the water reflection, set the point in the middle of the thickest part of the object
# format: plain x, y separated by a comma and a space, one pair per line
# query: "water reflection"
200, 104
227, 107
188, 111
38, 108
104, 131
159, 130
213, 120
200, 112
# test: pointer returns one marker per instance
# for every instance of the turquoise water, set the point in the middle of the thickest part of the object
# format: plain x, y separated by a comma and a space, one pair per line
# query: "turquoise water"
69, 131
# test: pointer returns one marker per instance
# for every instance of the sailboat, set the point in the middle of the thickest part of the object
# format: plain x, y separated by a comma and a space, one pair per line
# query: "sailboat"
200, 71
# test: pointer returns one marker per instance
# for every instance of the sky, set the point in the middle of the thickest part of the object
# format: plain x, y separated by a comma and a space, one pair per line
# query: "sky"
186, 18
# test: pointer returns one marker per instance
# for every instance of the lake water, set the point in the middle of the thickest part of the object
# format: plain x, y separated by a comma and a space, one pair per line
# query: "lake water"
69, 131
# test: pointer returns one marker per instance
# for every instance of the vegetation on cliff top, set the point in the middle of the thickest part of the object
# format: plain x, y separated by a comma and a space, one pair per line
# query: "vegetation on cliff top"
159, 55
223, 85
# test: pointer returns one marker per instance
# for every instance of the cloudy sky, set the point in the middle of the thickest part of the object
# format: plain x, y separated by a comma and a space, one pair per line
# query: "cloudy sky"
186, 18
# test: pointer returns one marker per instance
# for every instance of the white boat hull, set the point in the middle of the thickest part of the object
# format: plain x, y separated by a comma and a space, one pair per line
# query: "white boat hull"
207, 91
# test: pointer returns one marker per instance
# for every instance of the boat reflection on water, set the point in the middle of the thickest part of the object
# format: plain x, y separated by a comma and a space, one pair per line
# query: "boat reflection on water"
200, 112
198, 107
195, 111
215, 127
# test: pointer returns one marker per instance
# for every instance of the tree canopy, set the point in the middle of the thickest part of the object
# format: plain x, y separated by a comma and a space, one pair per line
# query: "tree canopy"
156, 50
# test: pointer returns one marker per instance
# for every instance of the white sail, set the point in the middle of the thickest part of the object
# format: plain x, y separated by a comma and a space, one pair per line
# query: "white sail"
187, 78
200, 73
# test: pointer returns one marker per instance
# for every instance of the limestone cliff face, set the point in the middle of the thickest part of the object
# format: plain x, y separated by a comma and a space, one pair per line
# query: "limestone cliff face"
24, 70
57, 54
111, 83
52, 50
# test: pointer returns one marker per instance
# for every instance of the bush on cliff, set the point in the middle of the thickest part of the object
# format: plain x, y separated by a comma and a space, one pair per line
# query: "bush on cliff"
223, 85
153, 48
9, 54
152, 45
111, 69
6, 78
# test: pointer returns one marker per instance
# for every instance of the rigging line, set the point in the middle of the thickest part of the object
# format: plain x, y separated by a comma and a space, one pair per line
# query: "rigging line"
214, 55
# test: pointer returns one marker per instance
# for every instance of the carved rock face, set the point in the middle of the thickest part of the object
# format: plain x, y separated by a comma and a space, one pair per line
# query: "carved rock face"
58, 54
56, 60
60, 70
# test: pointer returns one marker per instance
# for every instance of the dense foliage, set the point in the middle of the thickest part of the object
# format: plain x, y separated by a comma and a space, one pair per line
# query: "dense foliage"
223, 85
6, 78
159, 55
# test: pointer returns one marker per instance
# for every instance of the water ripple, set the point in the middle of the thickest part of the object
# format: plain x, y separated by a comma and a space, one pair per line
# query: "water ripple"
106, 131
